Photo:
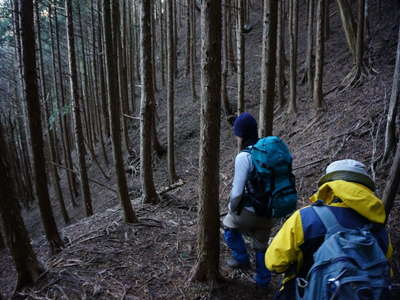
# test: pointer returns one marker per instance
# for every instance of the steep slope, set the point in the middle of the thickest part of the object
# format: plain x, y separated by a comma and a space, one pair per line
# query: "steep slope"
107, 259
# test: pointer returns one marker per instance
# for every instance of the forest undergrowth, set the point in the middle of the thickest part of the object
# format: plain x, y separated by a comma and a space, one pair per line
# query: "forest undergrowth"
105, 258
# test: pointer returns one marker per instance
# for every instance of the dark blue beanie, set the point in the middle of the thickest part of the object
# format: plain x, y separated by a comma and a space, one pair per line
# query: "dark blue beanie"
245, 126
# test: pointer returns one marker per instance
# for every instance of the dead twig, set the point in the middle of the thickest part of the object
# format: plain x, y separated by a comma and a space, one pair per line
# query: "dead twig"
311, 163
92, 180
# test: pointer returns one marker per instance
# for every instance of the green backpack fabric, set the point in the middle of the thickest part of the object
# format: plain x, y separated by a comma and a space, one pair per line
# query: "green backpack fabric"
271, 189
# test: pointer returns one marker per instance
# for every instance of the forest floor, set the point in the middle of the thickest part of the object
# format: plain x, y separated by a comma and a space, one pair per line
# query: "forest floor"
106, 258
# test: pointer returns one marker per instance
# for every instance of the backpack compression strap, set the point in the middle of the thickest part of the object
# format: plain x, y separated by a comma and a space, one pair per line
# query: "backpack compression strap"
327, 218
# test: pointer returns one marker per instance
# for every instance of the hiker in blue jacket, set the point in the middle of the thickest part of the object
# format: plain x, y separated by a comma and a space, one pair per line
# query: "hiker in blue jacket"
241, 218
348, 191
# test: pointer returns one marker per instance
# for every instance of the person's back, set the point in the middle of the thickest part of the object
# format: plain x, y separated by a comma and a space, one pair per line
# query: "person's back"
347, 191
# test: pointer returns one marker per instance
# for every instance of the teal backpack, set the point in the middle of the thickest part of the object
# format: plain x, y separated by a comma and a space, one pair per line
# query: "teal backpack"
271, 189
348, 265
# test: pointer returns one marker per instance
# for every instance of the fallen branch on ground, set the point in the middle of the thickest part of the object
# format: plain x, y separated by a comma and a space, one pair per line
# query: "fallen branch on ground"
75, 172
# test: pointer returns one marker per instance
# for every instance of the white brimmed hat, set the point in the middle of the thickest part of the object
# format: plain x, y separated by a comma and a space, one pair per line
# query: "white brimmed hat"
348, 170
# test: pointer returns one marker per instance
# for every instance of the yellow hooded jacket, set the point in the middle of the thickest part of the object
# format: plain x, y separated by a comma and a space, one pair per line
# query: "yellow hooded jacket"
303, 233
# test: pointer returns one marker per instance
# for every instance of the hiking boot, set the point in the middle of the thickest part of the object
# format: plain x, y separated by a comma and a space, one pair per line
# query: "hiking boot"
234, 264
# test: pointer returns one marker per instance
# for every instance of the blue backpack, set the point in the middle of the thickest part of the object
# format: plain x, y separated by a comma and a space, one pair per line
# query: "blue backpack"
348, 265
271, 189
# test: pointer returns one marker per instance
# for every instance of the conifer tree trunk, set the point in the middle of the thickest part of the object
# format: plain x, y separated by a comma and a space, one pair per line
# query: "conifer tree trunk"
51, 138
163, 43
193, 49
280, 53
390, 133
293, 32
35, 126
224, 78
268, 68
102, 71
146, 106
206, 267
240, 57
346, 16
80, 147
319, 55
392, 185
66, 130
170, 94
14, 231
308, 73
112, 36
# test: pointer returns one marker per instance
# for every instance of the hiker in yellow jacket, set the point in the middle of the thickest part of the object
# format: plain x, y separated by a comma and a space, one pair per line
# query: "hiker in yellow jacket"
348, 191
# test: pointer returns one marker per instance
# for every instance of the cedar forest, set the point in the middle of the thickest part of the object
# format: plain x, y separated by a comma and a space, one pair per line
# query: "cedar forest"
116, 143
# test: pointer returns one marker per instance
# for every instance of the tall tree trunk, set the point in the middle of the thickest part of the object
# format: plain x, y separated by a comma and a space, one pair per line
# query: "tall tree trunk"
112, 36
280, 53
51, 138
146, 106
224, 78
268, 68
35, 126
319, 55
346, 16
193, 49
390, 134
206, 267
72, 181
240, 57
80, 147
13, 228
308, 72
170, 94
102, 71
392, 185
293, 32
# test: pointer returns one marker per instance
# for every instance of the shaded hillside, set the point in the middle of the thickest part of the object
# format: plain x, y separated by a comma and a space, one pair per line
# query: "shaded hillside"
107, 259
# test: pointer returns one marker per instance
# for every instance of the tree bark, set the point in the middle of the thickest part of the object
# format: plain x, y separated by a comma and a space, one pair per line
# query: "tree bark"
346, 16
319, 55
80, 147
206, 268
193, 50
51, 137
392, 186
13, 228
280, 53
35, 126
112, 36
308, 71
390, 134
240, 57
293, 32
268, 68
224, 79
146, 106
170, 94
66, 130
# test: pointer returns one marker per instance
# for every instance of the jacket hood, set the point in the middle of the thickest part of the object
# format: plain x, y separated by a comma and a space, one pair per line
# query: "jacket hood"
353, 195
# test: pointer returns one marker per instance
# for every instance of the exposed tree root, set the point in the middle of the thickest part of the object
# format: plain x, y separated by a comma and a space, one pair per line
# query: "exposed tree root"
357, 76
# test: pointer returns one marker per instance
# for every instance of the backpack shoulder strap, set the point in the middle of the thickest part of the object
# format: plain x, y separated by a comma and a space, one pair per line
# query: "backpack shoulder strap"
327, 218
